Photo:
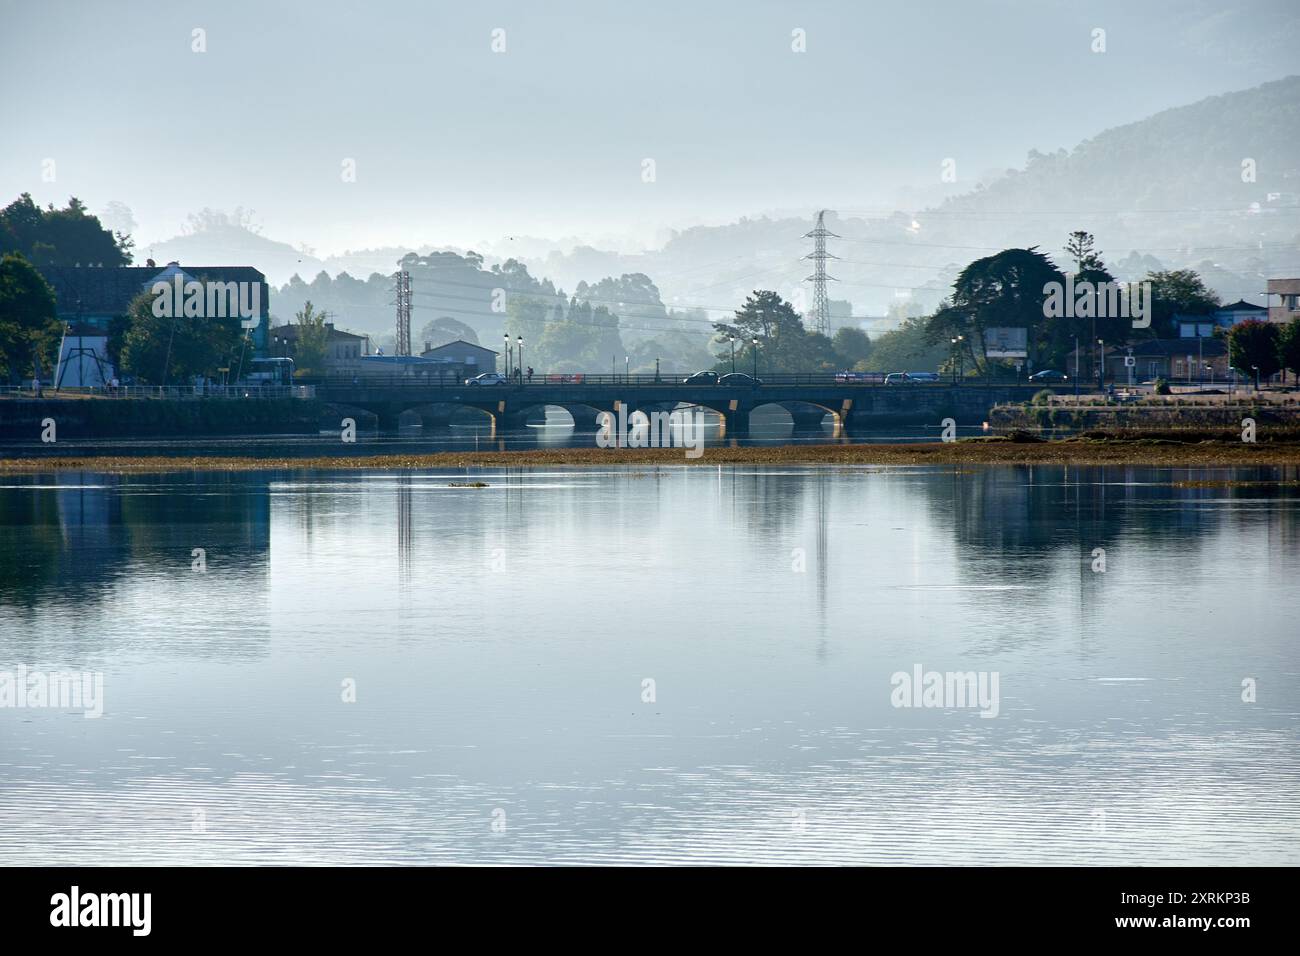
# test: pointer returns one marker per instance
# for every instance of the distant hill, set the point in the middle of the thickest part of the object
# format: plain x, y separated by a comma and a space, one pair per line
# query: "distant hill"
1164, 192
220, 237
1225, 170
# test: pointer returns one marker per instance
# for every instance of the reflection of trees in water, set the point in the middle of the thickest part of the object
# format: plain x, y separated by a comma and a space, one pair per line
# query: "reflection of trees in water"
80, 540
1035, 513
32, 545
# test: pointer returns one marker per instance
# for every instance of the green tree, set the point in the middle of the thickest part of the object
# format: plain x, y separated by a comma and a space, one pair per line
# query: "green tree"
1079, 247
163, 350
29, 331
564, 342
1178, 292
1003, 290
672, 353
1253, 348
1288, 348
526, 319
311, 340
851, 346
784, 344
443, 330
1101, 325
60, 237
909, 348
605, 337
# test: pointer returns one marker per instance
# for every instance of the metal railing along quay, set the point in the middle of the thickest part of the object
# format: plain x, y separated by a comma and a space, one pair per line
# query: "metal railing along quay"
173, 392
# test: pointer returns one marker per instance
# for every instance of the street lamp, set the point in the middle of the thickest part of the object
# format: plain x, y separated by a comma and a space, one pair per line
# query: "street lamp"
505, 358
520, 366
755, 360
733, 353
627, 368
1101, 367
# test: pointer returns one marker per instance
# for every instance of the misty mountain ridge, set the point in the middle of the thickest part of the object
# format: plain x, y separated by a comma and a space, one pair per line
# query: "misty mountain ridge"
1210, 185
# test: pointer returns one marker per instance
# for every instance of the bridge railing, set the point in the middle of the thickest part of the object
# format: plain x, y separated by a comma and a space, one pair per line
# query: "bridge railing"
251, 391
646, 380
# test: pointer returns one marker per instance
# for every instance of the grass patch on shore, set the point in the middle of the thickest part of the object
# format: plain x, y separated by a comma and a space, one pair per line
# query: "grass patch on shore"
1082, 451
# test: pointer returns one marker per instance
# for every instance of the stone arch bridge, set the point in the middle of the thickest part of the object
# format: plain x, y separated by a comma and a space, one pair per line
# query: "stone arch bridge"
851, 404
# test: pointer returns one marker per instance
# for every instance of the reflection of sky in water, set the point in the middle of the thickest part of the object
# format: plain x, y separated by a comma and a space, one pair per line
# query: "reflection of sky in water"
499, 638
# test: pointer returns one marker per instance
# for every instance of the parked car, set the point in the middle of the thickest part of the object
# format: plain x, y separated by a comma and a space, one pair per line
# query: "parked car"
737, 379
897, 378
701, 378
487, 378
1048, 375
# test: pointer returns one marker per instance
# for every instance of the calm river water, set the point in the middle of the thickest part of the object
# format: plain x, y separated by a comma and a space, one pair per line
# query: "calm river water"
672, 664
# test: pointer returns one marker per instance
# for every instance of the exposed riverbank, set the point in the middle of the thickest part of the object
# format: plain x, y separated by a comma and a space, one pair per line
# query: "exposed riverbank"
1080, 451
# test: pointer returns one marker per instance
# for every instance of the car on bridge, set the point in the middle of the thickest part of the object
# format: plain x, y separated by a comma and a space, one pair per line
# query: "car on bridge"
487, 378
701, 378
1048, 375
739, 380
912, 378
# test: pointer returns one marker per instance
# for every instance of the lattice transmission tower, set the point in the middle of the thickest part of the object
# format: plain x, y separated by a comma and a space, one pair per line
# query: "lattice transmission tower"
403, 312
821, 309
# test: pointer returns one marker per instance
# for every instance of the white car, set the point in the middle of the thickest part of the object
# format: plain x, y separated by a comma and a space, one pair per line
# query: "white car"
487, 378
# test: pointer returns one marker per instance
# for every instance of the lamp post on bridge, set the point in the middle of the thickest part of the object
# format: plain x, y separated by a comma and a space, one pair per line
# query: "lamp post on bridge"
505, 357
520, 367
755, 344
1076, 369
733, 353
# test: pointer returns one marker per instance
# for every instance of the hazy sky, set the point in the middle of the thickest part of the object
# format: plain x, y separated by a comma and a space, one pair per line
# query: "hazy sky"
454, 143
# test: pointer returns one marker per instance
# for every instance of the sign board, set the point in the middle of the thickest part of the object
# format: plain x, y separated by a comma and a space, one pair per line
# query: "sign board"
1129, 361
1006, 343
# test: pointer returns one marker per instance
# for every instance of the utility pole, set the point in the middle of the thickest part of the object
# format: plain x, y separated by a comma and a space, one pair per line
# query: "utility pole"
1076, 369
821, 310
403, 312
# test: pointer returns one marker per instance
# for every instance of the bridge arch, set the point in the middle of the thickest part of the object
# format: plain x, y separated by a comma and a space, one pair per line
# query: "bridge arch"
586, 418
335, 412
808, 415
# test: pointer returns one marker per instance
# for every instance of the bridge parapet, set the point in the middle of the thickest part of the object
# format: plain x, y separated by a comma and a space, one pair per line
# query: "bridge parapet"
851, 403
